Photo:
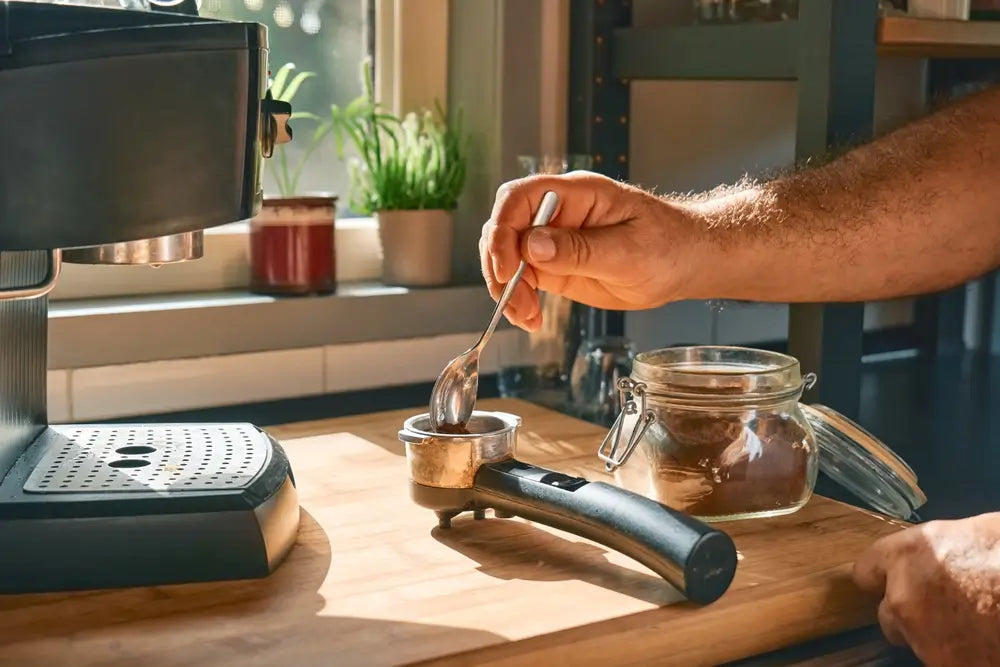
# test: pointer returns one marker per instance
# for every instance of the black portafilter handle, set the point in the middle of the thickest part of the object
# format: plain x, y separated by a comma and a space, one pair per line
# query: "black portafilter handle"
698, 560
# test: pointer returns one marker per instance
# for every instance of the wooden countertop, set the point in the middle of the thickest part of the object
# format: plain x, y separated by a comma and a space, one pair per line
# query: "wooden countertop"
938, 38
372, 581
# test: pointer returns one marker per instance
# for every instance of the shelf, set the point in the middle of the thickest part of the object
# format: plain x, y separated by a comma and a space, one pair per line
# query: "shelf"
140, 329
933, 38
750, 51
770, 51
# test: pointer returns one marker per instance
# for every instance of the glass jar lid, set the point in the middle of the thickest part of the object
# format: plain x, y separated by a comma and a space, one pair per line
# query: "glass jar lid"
862, 464
714, 373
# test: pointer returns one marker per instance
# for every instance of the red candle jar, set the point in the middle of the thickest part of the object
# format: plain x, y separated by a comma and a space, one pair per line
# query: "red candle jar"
292, 246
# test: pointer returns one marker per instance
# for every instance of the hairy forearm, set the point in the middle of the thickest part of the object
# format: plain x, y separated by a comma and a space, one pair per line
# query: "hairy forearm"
915, 211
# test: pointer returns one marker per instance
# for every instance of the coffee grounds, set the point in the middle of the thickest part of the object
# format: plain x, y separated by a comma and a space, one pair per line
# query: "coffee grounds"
453, 429
714, 465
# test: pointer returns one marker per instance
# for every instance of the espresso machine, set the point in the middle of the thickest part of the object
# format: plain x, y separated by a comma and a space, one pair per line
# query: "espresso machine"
124, 132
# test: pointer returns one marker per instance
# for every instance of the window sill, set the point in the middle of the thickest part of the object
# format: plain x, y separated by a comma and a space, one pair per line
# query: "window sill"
225, 266
243, 226
136, 329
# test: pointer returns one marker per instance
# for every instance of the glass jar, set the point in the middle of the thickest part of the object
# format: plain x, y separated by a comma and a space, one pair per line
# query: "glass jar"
601, 361
292, 246
718, 433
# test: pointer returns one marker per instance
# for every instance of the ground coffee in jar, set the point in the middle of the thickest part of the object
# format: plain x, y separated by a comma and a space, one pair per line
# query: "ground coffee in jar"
720, 434
714, 465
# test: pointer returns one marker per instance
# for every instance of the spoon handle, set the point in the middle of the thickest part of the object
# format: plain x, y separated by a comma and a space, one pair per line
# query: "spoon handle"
545, 211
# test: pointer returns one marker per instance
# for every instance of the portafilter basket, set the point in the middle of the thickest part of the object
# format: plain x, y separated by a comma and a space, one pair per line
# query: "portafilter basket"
452, 473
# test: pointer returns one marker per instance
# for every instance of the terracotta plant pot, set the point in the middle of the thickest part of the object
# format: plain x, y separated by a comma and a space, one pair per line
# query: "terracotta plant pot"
292, 246
416, 247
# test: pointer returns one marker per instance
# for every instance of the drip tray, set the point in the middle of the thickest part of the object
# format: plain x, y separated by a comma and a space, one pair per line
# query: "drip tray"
145, 459
96, 506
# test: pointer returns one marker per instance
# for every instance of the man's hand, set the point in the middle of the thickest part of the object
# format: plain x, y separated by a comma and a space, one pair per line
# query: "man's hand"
940, 589
608, 245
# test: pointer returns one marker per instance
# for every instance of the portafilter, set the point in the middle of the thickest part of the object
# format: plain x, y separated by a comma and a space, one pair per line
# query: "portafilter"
452, 473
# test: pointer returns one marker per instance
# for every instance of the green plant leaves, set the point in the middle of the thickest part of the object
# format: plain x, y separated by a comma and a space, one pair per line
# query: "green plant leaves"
278, 83
285, 176
293, 87
417, 162
410, 163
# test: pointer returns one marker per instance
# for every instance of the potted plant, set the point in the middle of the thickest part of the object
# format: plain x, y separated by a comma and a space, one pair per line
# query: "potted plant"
409, 173
292, 238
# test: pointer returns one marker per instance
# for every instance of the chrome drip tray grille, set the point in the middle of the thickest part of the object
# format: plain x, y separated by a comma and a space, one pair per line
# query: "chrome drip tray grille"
155, 458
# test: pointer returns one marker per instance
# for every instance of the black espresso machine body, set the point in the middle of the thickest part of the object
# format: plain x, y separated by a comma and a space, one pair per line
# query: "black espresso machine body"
121, 125
118, 126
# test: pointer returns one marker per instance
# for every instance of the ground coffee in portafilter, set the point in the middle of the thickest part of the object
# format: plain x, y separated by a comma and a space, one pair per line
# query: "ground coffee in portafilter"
453, 429
718, 465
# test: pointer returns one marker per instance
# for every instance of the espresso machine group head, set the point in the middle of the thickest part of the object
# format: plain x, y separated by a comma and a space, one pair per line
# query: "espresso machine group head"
125, 133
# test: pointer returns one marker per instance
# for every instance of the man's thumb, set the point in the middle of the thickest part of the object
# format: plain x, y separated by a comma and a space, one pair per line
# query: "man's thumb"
570, 252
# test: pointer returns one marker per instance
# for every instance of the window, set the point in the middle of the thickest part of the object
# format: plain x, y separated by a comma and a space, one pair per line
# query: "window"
328, 37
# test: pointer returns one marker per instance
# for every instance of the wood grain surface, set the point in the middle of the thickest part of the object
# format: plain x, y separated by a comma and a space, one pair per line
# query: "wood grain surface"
938, 38
373, 581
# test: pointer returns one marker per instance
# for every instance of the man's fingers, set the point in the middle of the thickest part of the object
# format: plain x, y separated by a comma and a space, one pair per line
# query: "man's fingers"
871, 575
869, 569
597, 252
890, 625
531, 313
529, 277
503, 247
533, 323
500, 256
517, 201
486, 265
523, 304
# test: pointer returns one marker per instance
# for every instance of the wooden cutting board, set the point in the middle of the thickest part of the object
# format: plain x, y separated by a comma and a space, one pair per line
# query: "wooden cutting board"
372, 581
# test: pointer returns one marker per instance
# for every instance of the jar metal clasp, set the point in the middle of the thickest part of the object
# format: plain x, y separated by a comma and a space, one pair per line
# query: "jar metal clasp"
809, 381
613, 453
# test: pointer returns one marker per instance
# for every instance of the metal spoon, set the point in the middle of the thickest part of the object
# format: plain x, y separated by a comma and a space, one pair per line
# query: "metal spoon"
454, 395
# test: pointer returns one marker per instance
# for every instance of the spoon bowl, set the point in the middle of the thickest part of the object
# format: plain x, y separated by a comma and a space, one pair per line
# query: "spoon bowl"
457, 387
453, 397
